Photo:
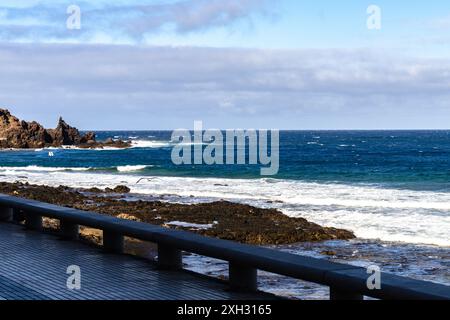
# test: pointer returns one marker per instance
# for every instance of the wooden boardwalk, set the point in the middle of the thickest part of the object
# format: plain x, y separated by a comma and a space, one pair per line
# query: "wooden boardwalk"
33, 266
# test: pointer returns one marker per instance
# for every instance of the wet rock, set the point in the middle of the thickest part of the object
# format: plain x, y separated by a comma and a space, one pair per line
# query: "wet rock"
232, 221
118, 189
121, 189
89, 138
328, 253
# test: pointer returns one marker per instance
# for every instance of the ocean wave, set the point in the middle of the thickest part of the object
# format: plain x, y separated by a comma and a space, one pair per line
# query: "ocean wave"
314, 143
134, 144
33, 168
104, 148
369, 203
371, 211
130, 168
149, 144
161, 144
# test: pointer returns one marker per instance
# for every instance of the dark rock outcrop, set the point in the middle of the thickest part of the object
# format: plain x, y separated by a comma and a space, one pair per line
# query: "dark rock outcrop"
16, 133
231, 221
21, 134
65, 135
118, 189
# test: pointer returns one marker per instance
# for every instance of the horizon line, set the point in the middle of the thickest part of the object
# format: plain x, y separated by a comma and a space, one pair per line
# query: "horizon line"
295, 130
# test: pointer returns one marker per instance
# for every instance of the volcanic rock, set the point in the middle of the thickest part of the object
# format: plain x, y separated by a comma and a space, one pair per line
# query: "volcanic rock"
230, 221
19, 134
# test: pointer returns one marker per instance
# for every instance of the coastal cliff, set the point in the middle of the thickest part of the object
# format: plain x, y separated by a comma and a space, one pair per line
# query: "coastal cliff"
20, 134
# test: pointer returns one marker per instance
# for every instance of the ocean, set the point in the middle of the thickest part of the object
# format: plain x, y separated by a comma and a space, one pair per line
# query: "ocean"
391, 188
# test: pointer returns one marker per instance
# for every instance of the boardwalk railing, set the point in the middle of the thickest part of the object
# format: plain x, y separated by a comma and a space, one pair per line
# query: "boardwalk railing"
346, 282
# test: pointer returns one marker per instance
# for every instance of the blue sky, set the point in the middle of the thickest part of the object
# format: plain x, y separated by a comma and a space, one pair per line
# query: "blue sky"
272, 24
285, 64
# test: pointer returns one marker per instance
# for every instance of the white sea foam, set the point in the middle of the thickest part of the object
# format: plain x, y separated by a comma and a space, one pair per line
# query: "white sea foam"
149, 144
134, 144
371, 211
104, 148
33, 168
132, 168
160, 144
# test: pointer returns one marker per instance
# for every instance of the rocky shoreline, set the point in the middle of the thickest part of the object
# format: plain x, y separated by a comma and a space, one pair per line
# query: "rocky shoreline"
224, 220
20, 134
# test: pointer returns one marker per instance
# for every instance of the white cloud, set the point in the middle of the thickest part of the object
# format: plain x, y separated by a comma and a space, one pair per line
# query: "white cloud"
142, 87
45, 21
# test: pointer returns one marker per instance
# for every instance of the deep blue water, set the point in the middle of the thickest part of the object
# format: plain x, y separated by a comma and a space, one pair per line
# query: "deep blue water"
411, 159
389, 185
392, 188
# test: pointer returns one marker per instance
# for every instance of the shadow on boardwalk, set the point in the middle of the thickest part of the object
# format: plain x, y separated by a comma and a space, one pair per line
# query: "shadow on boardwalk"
33, 266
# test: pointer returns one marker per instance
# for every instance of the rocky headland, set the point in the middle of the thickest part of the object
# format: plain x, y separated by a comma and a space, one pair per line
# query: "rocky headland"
20, 134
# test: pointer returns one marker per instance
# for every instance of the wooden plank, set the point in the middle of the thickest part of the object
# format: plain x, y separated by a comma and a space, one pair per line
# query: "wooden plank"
33, 266
309, 269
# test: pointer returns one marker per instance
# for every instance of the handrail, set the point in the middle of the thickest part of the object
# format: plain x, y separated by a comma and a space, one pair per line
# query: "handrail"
345, 281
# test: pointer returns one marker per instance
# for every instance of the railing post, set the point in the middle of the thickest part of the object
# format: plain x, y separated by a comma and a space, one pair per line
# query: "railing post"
6, 214
340, 294
69, 230
169, 258
242, 278
18, 215
112, 242
33, 221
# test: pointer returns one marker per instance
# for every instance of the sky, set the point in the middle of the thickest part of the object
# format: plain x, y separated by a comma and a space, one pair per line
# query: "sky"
286, 64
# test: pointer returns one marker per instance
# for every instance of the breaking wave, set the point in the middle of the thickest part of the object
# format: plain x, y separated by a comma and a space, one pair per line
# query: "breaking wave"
371, 211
